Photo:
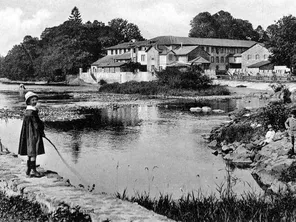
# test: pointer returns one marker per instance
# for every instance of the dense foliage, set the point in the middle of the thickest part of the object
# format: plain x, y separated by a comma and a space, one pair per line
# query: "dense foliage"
223, 25
282, 41
63, 49
17, 208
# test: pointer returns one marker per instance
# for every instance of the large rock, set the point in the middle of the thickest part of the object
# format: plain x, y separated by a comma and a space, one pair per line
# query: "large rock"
213, 144
241, 157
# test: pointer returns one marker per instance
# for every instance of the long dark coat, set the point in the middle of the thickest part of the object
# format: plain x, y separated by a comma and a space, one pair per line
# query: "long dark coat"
31, 142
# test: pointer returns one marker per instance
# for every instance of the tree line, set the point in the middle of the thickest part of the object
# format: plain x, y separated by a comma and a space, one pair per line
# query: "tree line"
63, 49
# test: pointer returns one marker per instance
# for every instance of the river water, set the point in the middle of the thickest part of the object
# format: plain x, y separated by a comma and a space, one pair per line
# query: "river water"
142, 147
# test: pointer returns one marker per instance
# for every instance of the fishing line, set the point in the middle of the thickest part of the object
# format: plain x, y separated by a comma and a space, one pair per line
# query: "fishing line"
64, 161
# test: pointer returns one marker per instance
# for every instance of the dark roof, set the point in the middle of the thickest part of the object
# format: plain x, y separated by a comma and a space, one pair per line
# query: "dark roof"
127, 45
112, 58
259, 64
175, 40
111, 64
184, 50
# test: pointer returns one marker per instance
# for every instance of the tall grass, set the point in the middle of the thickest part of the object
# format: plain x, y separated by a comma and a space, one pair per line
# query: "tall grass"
226, 207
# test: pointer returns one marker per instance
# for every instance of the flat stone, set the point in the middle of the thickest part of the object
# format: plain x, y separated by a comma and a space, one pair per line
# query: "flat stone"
51, 190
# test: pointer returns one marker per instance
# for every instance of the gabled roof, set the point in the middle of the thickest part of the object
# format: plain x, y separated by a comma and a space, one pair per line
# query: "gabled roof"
184, 50
261, 44
259, 64
175, 40
127, 45
112, 58
199, 60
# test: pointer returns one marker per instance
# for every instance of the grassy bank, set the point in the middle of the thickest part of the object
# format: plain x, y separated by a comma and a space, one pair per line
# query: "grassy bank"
17, 208
227, 207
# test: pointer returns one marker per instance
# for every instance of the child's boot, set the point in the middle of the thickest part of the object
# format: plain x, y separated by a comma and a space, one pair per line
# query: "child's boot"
28, 168
35, 172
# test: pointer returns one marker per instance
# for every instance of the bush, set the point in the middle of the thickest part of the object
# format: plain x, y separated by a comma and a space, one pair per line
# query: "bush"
175, 79
236, 132
102, 82
275, 114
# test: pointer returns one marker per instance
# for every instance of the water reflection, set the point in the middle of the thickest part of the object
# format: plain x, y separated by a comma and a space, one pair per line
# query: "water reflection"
96, 119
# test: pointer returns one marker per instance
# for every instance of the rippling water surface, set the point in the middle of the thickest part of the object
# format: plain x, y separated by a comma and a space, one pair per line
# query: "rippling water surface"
142, 148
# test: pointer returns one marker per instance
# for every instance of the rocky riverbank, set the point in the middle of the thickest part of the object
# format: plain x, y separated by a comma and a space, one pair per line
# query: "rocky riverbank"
239, 142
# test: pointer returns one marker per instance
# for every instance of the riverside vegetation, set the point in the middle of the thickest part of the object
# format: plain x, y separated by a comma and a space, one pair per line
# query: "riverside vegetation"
170, 82
278, 205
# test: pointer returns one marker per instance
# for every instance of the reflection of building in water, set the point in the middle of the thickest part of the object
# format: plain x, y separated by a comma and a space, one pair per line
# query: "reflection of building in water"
122, 116
148, 112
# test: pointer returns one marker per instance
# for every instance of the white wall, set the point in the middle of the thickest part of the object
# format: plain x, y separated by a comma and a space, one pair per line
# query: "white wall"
120, 77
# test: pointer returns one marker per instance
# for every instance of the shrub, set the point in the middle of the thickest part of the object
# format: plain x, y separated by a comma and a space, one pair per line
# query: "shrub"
102, 82
236, 132
175, 79
275, 114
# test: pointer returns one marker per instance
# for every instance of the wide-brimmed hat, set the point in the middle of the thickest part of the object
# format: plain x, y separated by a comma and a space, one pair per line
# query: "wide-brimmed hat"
30, 95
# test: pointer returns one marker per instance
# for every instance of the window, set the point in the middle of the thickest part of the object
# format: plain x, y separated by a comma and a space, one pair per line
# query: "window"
249, 57
170, 57
222, 59
265, 57
134, 50
217, 59
257, 56
222, 50
208, 49
111, 51
212, 49
217, 50
142, 58
212, 59
152, 58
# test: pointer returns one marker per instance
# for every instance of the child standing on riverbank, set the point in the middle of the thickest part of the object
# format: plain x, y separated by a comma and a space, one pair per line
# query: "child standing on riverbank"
290, 125
31, 143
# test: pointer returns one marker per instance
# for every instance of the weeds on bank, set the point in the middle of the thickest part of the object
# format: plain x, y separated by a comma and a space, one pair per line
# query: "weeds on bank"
17, 208
226, 207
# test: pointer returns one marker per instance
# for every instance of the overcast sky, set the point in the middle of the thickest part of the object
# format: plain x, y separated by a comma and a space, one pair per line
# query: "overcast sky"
154, 17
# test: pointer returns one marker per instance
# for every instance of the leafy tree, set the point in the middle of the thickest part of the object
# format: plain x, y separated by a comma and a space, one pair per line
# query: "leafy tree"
203, 25
75, 16
1, 66
282, 41
263, 36
124, 30
221, 25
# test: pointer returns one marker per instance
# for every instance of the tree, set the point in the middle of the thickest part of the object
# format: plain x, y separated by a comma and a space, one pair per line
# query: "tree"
263, 37
282, 41
203, 25
75, 16
124, 30
221, 25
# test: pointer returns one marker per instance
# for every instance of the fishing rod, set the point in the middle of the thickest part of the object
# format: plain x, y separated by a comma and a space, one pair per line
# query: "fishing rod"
64, 161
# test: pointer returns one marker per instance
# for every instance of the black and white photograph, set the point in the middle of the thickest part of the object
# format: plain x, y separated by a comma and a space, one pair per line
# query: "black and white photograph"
147, 110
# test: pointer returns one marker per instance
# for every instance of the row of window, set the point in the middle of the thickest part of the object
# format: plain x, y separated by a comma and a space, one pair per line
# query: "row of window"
218, 50
221, 59
257, 57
